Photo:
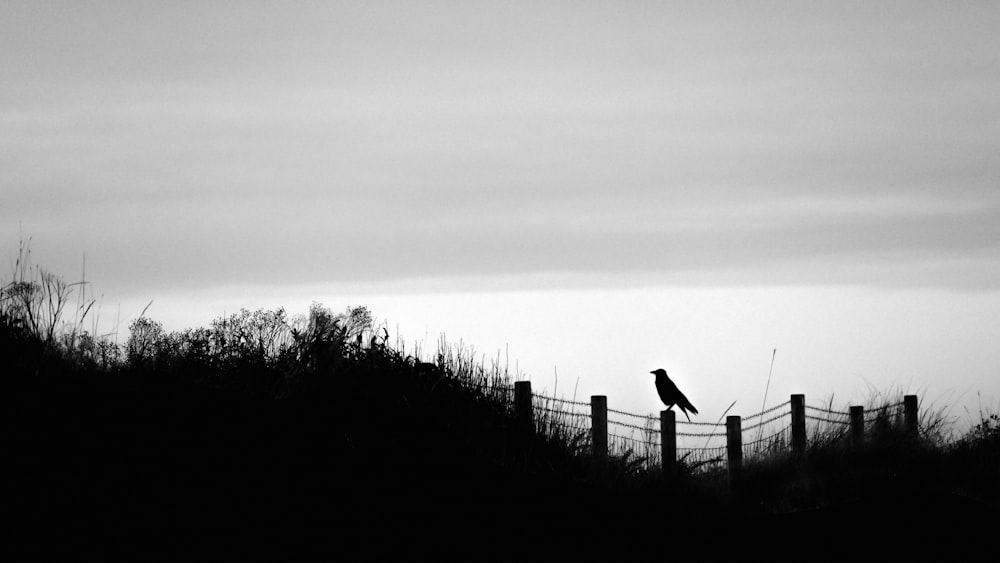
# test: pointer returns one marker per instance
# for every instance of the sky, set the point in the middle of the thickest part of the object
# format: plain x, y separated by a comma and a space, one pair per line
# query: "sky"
594, 189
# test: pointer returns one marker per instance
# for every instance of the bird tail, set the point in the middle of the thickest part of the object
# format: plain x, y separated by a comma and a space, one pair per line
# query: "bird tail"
687, 406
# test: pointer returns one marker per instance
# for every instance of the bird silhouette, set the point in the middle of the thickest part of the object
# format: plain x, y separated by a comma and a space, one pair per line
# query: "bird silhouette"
671, 395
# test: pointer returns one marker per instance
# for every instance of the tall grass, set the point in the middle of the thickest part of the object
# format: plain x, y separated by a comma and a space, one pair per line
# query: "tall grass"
42, 311
327, 356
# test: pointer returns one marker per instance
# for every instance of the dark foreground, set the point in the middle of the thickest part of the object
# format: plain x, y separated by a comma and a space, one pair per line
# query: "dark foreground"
153, 469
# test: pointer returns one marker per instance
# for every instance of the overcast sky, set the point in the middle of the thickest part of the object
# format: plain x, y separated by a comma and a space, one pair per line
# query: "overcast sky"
607, 187
193, 143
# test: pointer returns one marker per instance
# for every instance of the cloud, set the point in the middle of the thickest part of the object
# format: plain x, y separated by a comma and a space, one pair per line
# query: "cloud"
198, 146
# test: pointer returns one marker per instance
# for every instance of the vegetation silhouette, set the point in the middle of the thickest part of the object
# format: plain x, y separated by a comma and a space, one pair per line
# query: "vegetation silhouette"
315, 436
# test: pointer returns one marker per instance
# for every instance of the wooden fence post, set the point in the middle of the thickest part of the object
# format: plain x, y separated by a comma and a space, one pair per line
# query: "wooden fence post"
599, 429
668, 444
857, 426
734, 449
523, 412
910, 414
798, 424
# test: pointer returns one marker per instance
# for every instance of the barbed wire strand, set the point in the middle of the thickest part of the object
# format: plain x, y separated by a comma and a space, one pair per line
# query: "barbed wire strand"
827, 411
701, 434
655, 419
640, 416
882, 413
553, 416
563, 413
765, 422
828, 420
563, 401
633, 426
768, 411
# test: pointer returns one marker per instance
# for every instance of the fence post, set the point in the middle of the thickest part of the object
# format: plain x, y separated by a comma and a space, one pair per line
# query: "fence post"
522, 407
668, 444
857, 426
734, 449
910, 414
798, 424
599, 429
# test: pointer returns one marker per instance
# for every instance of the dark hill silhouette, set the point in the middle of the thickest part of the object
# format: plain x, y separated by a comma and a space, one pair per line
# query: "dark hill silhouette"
375, 453
175, 454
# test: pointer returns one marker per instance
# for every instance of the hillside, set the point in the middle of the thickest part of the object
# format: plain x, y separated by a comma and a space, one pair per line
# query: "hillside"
371, 453
264, 437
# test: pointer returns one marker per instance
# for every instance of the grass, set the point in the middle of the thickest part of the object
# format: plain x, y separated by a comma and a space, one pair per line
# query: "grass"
268, 425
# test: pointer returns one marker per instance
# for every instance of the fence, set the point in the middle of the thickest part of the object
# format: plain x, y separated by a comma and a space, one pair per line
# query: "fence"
782, 428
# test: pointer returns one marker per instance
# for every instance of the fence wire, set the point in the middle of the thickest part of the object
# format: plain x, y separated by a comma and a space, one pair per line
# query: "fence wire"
561, 401
883, 414
567, 427
649, 428
708, 458
827, 411
655, 419
766, 446
634, 415
558, 413
638, 437
619, 443
843, 421
640, 433
768, 411
766, 422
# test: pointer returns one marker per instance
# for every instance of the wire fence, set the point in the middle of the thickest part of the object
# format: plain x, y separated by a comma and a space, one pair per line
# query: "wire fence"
638, 436
826, 419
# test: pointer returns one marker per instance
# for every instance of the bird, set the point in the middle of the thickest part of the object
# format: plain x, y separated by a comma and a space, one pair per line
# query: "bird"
671, 395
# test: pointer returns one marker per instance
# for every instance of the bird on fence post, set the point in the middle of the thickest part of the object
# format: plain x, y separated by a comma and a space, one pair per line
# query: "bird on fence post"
671, 395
